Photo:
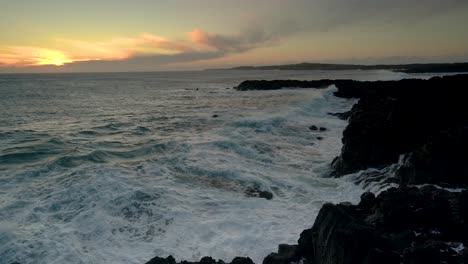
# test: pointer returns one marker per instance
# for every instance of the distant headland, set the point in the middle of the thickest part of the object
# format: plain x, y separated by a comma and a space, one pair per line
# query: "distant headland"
407, 68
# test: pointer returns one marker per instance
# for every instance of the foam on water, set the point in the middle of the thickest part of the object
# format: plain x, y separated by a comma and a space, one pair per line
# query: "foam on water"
141, 168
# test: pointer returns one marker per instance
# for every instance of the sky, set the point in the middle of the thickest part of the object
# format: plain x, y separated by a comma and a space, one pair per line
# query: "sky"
158, 35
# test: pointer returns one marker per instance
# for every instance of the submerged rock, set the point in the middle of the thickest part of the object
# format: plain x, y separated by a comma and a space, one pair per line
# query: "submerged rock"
316, 128
313, 128
254, 192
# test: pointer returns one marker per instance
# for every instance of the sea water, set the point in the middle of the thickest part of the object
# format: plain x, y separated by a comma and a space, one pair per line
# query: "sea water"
122, 167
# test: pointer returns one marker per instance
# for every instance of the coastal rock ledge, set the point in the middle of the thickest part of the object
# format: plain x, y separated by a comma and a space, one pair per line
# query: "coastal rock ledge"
420, 129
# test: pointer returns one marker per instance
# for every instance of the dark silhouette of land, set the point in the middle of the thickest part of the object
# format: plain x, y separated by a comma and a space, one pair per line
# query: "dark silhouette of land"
408, 68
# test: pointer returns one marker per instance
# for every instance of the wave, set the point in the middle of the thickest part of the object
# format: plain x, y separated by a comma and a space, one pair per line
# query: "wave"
162, 180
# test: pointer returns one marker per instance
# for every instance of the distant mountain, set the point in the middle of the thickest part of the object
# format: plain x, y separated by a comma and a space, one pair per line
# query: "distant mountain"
408, 68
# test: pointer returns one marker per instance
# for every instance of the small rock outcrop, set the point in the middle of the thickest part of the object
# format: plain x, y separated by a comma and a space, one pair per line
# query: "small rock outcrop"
204, 260
255, 192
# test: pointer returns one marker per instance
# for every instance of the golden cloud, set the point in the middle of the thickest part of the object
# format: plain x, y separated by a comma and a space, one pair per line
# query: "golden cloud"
30, 56
144, 45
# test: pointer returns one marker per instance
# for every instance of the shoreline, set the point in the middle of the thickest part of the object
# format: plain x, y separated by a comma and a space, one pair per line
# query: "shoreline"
406, 68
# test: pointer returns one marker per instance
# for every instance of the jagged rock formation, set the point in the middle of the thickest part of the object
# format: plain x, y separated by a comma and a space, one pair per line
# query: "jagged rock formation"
401, 225
425, 119
318, 84
204, 260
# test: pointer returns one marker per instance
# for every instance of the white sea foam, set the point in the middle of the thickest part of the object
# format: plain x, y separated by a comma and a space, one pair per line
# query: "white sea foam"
457, 247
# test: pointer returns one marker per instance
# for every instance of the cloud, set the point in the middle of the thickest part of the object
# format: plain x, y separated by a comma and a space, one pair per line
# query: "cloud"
142, 53
142, 63
139, 53
138, 63
244, 41
30, 56
74, 51
325, 15
114, 49
167, 44
273, 22
448, 58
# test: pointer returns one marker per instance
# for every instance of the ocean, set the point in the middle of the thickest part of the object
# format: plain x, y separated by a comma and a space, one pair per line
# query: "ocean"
122, 167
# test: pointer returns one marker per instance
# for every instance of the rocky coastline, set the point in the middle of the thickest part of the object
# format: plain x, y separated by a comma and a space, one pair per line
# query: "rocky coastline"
414, 133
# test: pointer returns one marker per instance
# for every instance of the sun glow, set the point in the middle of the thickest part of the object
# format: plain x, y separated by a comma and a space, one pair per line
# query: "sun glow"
51, 57
147, 45
23, 56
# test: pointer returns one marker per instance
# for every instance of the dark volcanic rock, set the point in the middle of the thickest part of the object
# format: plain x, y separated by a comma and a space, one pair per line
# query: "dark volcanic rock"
204, 260
316, 128
286, 254
279, 84
342, 116
367, 200
254, 192
337, 237
313, 128
158, 260
207, 260
242, 260
401, 225
442, 159
431, 252
346, 88
397, 117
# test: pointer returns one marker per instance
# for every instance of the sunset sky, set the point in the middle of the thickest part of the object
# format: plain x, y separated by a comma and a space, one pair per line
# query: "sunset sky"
146, 35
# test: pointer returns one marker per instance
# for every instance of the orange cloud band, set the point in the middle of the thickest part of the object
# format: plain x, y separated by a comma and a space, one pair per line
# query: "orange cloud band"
115, 49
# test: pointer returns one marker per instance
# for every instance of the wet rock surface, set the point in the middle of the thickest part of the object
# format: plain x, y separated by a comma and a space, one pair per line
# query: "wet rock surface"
400, 117
254, 192
342, 116
401, 225
204, 260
